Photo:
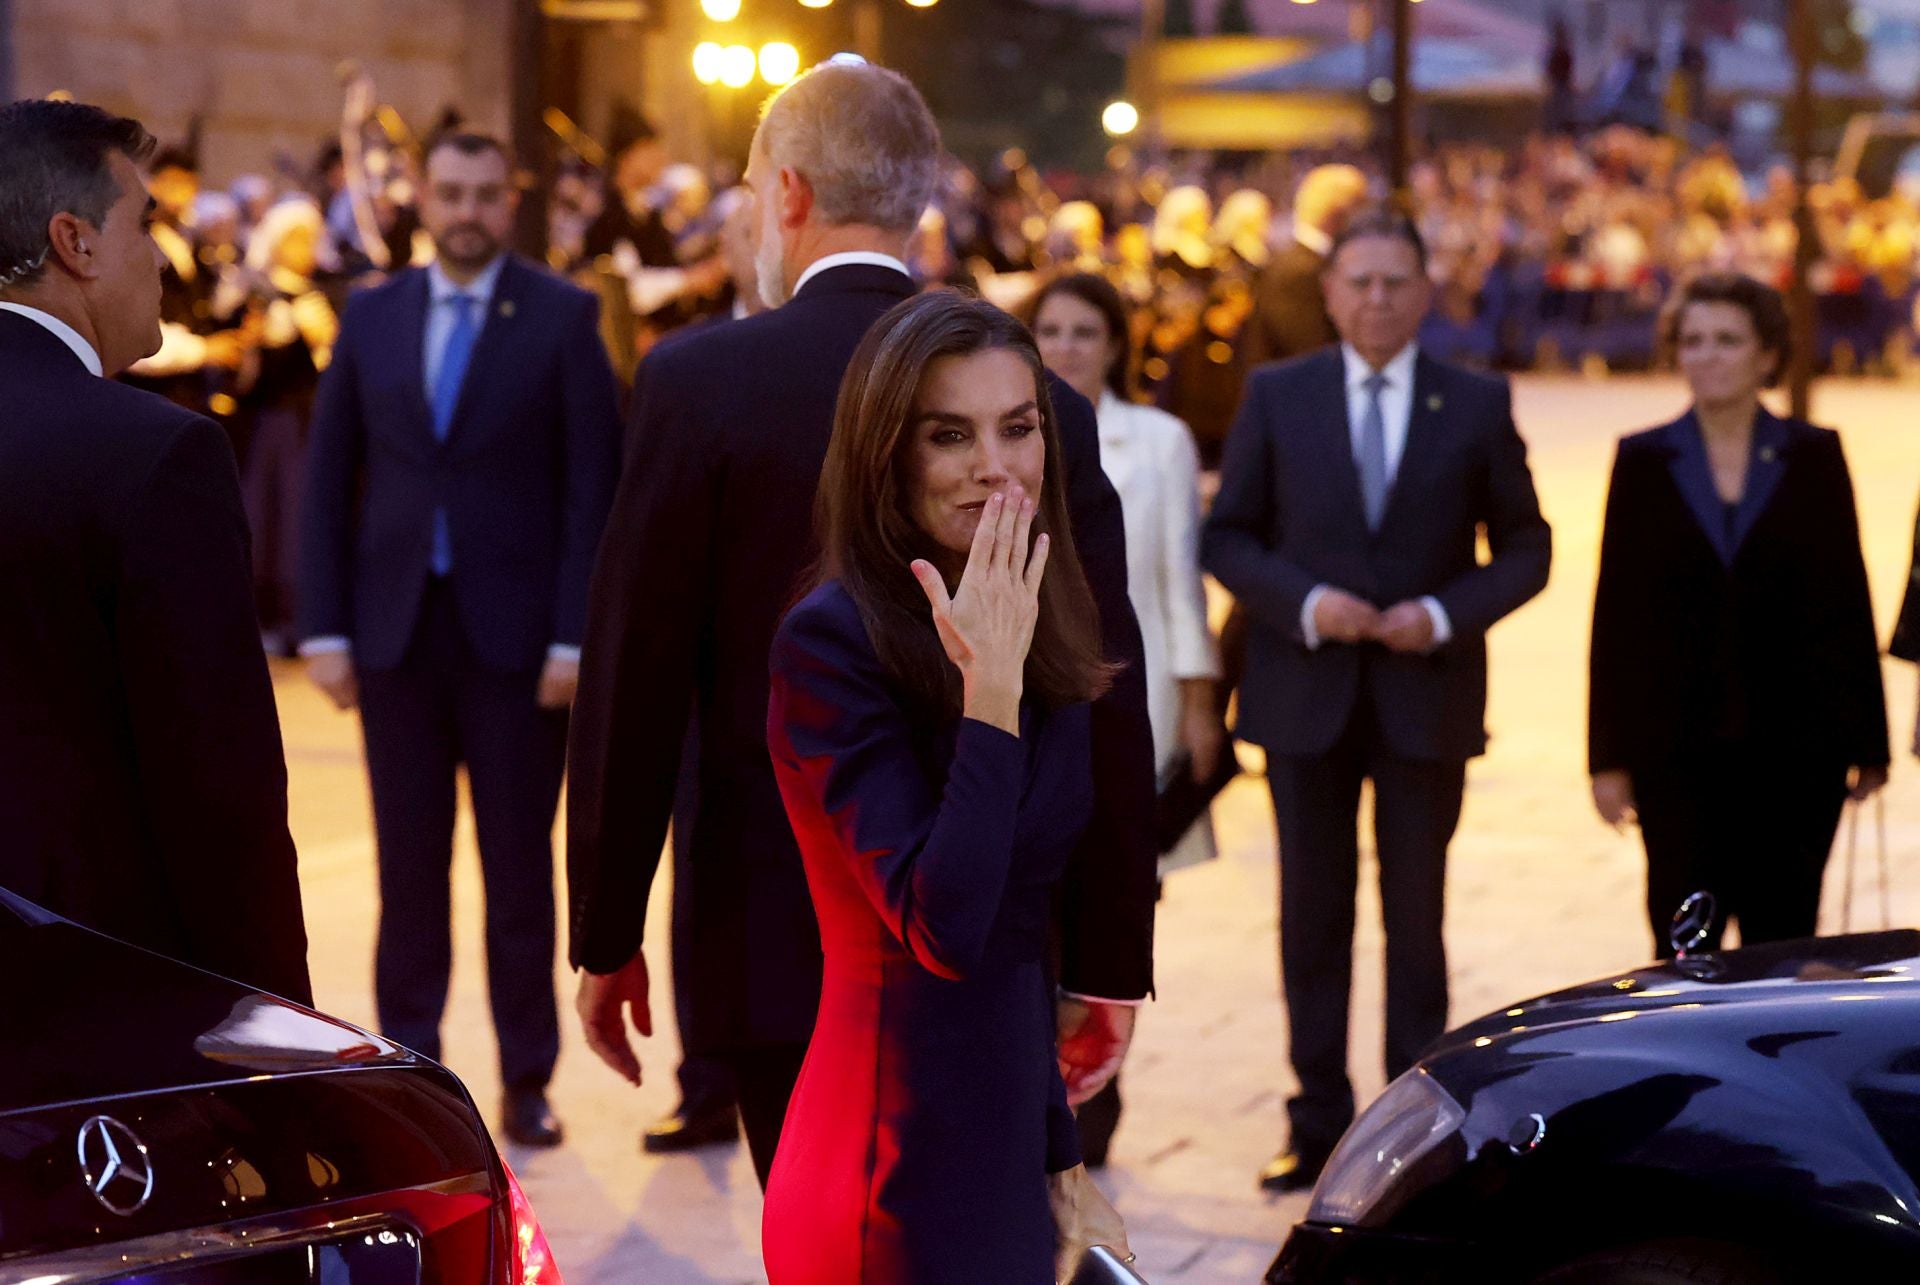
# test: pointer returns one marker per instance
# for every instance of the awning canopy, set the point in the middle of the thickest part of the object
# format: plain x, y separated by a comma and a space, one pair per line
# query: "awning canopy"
1442, 68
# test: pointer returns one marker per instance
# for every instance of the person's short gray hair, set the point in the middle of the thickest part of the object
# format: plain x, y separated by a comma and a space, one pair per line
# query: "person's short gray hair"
862, 136
55, 157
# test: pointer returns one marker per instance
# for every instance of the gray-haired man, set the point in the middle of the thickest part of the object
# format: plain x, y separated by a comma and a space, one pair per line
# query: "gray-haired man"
709, 537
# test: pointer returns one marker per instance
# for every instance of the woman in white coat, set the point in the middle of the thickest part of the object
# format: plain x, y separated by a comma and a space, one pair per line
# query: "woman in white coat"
1149, 456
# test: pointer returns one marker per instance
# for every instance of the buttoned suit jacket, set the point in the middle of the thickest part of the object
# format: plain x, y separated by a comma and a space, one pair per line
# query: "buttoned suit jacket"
1289, 517
525, 475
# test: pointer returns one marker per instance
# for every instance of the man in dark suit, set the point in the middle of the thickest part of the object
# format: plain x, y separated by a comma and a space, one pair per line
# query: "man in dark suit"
143, 790
1355, 486
1289, 312
464, 449
710, 536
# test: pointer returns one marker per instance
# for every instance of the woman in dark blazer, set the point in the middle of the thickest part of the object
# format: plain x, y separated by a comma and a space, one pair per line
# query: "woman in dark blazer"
929, 729
1736, 699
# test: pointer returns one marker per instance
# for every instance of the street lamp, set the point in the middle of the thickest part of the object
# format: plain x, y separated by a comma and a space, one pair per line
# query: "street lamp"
721, 10
736, 66
1120, 119
707, 58
923, 4
815, 4
779, 63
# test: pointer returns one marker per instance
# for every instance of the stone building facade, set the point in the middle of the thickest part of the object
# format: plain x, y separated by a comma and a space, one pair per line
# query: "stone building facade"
264, 74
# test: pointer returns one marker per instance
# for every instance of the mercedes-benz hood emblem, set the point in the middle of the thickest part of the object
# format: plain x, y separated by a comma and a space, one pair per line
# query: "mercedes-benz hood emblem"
115, 1166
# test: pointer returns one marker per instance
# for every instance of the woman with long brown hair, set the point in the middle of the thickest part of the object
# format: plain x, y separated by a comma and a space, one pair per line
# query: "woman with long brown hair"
929, 730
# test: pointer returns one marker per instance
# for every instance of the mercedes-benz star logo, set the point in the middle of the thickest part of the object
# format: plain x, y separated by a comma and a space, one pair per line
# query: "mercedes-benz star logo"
115, 1166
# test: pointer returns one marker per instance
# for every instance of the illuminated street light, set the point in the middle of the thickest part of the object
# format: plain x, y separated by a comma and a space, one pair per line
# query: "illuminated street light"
779, 62
736, 66
815, 4
1120, 119
721, 10
707, 58
923, 4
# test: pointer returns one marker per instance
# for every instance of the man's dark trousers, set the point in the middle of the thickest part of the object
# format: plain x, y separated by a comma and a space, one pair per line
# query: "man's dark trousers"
439, 709
1416, 806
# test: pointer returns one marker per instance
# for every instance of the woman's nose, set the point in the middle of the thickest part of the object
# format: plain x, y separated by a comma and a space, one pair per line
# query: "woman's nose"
990, 468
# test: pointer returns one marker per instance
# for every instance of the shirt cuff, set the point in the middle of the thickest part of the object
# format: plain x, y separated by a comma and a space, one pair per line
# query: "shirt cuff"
1442, 627
1308, 634
324, 644
1095, 999
564, 651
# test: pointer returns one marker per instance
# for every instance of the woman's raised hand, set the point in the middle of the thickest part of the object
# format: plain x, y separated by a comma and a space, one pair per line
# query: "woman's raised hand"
987, 625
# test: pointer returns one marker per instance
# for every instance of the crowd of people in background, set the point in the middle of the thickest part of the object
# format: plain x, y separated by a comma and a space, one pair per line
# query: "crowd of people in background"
1553, 255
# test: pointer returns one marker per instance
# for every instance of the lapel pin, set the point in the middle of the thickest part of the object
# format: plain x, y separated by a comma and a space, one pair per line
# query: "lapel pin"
506, 307
1766, 455
1435, 402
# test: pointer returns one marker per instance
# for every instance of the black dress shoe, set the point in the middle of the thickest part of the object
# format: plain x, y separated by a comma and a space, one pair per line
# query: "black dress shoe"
683, 1132
527, 1120
1292, 1171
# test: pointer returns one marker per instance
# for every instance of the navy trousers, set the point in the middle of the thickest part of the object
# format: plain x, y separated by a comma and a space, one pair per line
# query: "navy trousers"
438, 710
1416, 807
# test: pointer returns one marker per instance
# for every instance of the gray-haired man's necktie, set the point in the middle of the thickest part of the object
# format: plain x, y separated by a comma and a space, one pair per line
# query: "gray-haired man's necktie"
1373, 453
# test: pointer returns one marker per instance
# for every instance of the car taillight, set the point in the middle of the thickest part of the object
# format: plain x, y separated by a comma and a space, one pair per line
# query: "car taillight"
529, 1257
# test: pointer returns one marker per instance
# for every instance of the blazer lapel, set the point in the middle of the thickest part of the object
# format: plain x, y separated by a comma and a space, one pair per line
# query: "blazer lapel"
1694, 476
495, 341
1425, 424
1764, 470
1119, 448
413, 340
1332, 429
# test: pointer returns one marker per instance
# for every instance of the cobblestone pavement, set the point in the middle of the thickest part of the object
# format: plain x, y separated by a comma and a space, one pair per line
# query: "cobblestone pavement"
1541, 895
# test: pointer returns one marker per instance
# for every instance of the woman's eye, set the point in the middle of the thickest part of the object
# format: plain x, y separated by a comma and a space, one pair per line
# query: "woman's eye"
948, 437
1020, 430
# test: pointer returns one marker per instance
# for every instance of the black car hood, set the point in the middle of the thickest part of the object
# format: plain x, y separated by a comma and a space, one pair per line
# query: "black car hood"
83, 1017
1883, 964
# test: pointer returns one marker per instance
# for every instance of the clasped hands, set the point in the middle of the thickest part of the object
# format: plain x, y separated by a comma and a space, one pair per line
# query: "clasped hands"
1339, 616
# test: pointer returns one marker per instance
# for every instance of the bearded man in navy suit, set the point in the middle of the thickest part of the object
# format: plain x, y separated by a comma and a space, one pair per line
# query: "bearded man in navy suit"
1356, 485
464, 450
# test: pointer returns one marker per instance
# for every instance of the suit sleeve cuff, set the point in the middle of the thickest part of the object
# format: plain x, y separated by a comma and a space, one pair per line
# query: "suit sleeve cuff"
564, 651
1308, 634
1095, 999
1442, 626
325, 644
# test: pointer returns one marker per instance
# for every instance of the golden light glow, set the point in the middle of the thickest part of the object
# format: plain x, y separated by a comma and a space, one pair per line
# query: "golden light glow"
923, 4
779, 62
815, 4
720, 10
736, 66
1120, 118
707, 57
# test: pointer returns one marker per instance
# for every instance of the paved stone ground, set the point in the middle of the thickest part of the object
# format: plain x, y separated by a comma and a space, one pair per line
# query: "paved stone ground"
1541, 895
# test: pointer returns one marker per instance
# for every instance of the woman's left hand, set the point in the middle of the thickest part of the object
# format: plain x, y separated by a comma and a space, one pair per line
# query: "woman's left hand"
1202, 734
1867, 782
1082, 1218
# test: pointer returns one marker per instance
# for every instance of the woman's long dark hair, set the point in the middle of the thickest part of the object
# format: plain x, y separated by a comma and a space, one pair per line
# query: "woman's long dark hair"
868, 536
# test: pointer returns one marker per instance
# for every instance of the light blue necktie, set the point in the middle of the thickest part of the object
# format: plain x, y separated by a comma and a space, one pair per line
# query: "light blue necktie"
1373, 453
454, 358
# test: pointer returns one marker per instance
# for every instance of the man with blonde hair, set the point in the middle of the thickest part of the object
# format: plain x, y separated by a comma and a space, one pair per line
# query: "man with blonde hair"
1289, 314
708, 542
